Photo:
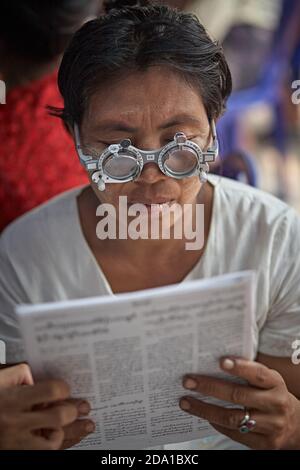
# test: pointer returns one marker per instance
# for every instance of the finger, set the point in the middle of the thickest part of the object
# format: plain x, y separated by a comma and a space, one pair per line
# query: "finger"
44, 392
228, 418
79, 429
16, 375
54, 439
224, 390
255, 373
82, 406
68, 443
251, 439
55, 417
76, 432
50, 440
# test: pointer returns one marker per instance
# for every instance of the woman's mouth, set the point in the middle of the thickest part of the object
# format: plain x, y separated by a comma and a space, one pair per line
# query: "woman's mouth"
154, 207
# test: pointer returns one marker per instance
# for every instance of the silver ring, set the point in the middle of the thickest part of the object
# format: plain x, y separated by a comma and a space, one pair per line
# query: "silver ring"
247, 424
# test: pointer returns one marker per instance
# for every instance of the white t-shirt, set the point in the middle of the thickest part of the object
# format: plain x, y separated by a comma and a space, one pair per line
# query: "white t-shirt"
44, 257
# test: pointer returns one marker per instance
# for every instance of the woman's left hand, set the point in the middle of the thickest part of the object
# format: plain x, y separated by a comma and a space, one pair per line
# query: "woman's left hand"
275, 410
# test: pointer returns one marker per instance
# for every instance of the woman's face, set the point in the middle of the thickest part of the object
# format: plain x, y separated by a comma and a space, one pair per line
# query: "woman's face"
149, 108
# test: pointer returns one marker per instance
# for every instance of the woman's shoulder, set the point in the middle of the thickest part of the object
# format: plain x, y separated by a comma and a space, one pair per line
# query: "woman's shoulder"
50, 219
249, 204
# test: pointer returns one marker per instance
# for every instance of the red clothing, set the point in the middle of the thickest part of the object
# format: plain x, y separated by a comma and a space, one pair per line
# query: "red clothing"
37, 157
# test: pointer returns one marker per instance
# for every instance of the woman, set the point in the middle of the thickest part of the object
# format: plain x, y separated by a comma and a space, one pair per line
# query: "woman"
34, 148
152, 75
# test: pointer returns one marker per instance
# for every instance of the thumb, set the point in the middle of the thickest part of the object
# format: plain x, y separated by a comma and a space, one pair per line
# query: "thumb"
15, 375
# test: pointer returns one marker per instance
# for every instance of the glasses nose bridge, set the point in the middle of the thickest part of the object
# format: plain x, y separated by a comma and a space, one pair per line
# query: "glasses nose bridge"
150, 157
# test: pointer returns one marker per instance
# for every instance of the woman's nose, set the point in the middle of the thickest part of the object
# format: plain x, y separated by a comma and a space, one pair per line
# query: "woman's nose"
151, 174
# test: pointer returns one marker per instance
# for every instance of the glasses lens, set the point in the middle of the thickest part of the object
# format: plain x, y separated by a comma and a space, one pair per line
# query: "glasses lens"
181, 162
120, 167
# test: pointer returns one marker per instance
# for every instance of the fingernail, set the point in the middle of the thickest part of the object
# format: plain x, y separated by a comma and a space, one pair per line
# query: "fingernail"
228, 364
84, 408
190, 384
185, 405
90, 427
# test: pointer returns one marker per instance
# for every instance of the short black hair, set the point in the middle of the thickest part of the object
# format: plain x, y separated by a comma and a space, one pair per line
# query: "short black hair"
133, 39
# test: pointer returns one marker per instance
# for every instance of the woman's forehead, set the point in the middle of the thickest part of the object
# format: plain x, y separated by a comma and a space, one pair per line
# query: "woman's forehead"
156, 95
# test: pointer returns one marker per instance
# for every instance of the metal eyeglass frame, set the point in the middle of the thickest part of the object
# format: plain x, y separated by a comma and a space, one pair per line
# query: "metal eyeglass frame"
142, 157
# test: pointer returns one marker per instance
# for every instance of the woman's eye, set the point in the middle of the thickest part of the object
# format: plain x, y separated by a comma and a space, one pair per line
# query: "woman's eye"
106, 144
168, 140
171, 139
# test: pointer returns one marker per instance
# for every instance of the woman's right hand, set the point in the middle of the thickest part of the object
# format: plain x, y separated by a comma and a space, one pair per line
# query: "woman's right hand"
38, 416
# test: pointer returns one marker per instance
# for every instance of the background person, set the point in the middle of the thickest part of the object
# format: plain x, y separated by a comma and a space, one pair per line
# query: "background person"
37, 157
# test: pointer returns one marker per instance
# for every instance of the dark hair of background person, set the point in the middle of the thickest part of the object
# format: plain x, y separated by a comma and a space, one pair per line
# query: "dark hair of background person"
109, 5
132, 39
40, 30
